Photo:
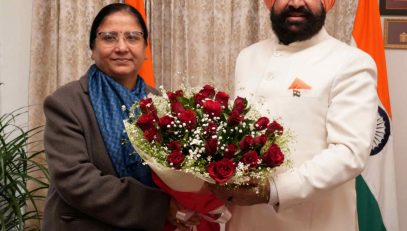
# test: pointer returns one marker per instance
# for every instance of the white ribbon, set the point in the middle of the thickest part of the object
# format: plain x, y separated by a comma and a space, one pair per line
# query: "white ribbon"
225, 216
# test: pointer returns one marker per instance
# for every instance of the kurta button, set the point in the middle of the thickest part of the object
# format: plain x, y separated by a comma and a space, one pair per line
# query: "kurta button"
277, 54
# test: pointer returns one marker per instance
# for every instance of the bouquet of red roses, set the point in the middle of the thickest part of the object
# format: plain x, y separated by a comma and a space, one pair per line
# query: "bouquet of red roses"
188, 137
201, 134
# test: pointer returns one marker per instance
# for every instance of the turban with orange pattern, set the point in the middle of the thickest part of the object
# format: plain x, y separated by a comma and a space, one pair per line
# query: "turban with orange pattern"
328, 4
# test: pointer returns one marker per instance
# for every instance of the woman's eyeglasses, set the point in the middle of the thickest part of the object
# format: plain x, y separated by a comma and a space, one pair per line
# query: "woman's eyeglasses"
111, 38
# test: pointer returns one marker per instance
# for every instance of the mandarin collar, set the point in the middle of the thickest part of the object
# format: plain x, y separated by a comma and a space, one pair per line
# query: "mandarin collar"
297, 46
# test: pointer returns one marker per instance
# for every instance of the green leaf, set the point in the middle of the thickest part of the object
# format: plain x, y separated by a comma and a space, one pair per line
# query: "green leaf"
17, 164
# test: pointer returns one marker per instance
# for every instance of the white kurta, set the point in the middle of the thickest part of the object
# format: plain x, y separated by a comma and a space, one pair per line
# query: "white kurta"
333, 123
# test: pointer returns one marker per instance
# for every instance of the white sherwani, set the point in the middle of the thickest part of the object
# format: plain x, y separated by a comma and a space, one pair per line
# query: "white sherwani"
333, 123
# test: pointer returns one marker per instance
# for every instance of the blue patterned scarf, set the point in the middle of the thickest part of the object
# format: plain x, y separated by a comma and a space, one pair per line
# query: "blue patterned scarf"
107, 97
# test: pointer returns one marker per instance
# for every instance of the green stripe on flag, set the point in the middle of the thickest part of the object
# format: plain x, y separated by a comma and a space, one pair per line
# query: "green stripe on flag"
369, 216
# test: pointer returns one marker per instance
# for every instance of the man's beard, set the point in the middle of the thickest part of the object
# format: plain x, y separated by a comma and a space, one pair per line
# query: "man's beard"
306, 29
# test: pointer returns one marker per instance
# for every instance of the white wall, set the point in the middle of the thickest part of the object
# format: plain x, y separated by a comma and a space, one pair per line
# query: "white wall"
15, 30
396, 60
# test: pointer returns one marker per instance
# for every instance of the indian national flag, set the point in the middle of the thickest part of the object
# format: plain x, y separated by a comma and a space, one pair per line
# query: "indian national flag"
146, 70
376, 188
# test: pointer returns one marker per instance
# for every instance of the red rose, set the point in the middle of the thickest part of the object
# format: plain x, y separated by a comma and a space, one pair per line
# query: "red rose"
165, 121
222, 170
177, 107
275, 128
246, 142
146, 121
212, 108
222, 98
230, 151
210, 130
211, 146
235, 118
147, 106
239, 104
260, 141
198, 99
250, 158
172, 96
174, 145
273, 157
208, 91
175, 158
152, 134
261, 123
189, 118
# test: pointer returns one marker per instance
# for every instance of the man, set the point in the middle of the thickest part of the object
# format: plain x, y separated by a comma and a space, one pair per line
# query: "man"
324, 91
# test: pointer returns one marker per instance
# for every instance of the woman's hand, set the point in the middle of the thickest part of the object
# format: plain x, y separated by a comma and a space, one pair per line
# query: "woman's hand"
180, 224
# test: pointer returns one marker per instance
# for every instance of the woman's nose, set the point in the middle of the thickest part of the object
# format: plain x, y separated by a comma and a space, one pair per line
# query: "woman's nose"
122, 44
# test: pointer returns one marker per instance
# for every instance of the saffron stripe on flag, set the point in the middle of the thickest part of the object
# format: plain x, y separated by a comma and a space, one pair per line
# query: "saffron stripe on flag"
146, 71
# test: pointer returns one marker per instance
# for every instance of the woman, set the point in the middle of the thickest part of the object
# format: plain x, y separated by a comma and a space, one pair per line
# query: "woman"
97, 182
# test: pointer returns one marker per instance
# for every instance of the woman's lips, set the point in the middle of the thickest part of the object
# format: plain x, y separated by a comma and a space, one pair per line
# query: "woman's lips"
121, 60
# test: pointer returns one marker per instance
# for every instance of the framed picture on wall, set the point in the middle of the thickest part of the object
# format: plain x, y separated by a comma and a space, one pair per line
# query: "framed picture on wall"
393, 7
395, 33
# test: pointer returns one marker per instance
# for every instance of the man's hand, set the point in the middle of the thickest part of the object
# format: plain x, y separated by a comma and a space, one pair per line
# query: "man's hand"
243, 195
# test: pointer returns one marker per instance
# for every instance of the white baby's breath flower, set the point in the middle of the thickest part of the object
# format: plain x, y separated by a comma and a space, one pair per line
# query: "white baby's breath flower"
240, 165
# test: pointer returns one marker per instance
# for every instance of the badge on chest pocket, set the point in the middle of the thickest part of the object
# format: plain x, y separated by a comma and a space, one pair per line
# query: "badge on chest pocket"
299, 87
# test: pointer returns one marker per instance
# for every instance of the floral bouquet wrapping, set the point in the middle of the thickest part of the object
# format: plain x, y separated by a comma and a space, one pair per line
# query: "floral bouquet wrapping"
188, 137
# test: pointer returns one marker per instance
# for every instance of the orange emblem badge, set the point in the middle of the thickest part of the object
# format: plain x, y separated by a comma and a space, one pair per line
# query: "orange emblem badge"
297, 86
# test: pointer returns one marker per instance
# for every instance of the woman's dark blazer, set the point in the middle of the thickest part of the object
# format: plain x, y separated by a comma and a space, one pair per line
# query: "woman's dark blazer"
85, 192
